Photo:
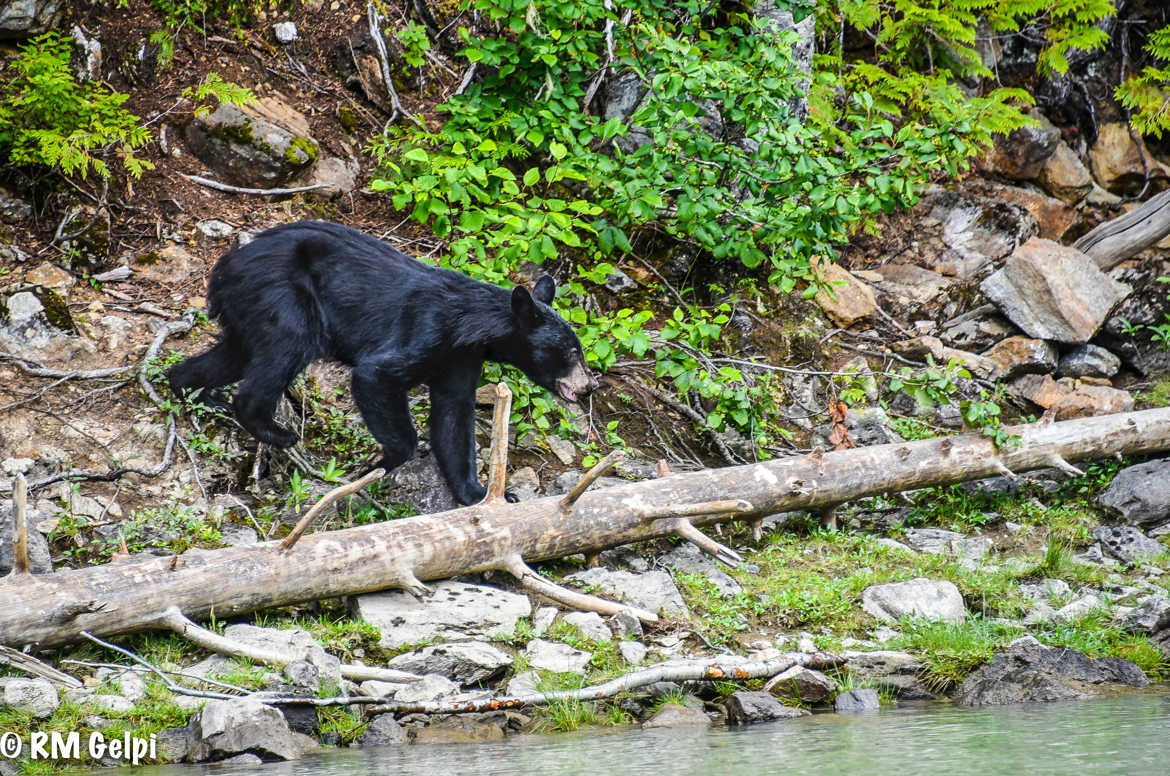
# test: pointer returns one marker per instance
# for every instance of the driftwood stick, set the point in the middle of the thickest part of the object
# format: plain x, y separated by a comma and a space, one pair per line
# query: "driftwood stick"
230, 189
528, 577
170, 683
684, 530
20, 527
590, 477
663, 672
498, 457
172, 619
30, 665
326, 500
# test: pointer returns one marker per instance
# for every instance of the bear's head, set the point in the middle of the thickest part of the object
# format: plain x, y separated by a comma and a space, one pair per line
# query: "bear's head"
551, 355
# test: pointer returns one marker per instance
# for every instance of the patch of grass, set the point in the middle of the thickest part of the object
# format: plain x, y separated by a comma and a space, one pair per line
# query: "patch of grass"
339, 720
1158, 395
952, 651
1097, 635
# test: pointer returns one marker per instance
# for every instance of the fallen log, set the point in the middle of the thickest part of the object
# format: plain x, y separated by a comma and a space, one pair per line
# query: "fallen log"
137, 594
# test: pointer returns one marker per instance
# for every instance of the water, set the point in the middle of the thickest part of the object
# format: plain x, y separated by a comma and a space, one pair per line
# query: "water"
1126, 736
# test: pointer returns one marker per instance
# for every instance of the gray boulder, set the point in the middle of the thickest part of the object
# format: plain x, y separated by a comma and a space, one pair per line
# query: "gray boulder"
227, 728
1126, 543
1053, 292
466, 662
383, 730
25, 18
35, 323
748, 706
431, 687
857, 700
653, 590
1017, 356
455, 610
921, 597
1028, 671
802, 683
1139, 494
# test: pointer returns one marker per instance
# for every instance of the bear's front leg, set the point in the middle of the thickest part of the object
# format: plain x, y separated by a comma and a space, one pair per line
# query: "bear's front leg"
386, 412
452, 425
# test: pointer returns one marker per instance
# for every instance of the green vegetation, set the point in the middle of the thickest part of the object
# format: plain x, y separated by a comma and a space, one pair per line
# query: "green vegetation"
48, 118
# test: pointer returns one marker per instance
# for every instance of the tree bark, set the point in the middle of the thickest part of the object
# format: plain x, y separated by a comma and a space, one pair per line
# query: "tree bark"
53, 609
1116, 240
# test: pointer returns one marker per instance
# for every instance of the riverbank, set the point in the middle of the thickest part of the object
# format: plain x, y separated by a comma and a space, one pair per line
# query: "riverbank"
913, 596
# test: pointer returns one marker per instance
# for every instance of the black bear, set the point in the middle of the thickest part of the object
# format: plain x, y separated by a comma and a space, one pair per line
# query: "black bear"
312, 289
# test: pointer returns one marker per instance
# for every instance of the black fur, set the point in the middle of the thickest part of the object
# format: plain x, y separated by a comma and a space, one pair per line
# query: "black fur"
311, 290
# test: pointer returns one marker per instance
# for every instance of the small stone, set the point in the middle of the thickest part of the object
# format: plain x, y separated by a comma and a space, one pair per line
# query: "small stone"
467, 662
653, 590
857, 700
215, 229
455, 610
556, 657
1151, 616
1078, 608
618, 281
37, 697
284, 32
15, 466
1089, 361
49, 276
626, 624
383, 730
1068, 398
590, 624
1017, 356
633, 652
524, 683
432, 687
677, 715
543, 619
563, 449
1064, 175
302, 674
747, 706
851, 299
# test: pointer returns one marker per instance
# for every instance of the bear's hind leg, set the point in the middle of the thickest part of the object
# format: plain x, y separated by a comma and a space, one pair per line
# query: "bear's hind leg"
274, 364
387, 415
220, 365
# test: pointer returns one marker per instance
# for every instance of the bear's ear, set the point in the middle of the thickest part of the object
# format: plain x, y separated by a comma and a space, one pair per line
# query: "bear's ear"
546, 289
524, 308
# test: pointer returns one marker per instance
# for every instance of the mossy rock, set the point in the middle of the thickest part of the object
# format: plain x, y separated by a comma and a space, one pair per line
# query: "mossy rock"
262, 145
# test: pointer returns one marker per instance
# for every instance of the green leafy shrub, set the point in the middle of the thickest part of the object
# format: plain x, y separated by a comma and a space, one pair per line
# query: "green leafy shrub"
714, 157
48, 118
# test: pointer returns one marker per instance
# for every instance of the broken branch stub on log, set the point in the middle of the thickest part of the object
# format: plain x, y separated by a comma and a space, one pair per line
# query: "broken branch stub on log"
51, 609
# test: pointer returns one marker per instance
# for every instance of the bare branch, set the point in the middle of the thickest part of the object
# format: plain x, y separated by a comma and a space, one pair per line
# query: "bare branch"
515, 565
329, 498
230, 189
600, 468
498, 457
663, 672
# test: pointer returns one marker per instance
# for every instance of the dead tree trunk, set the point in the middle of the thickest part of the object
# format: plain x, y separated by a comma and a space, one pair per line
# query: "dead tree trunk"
1116, 240
136, 594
